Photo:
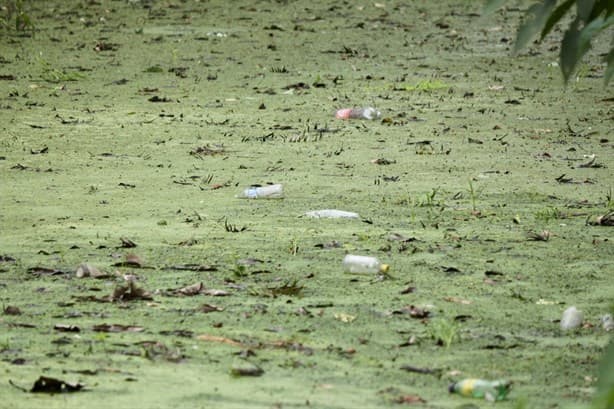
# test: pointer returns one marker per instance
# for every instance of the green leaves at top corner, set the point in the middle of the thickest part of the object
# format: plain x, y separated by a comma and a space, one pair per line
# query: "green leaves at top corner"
555, 16
592, 17
610, 69
604, 396
534, 22
576, 42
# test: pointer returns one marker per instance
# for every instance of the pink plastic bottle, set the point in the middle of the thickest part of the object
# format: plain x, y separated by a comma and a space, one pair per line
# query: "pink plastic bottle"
358, 113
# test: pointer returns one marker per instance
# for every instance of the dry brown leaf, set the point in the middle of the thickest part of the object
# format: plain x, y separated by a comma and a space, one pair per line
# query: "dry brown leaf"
127, 243
192, 267
206, 308
52, 385
589, 161
343, 317
219, 339
458, 300
246, 368
134, 259
88, 270
116, 328
66, 328
39, 271
413, 311
604, 220
382, 161
189, 290
408, 290
11, 310
409, 399
130, 292
542, 236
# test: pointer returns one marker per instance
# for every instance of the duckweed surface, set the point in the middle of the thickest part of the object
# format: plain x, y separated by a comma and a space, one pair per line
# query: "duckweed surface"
128, 128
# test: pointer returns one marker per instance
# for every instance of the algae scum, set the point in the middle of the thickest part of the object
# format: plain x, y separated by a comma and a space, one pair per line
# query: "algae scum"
132, 276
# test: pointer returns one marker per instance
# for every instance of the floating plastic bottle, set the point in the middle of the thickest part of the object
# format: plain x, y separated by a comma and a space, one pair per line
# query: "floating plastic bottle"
363, 265
358, 113
262, 192
332, 214
482, 389
572, 318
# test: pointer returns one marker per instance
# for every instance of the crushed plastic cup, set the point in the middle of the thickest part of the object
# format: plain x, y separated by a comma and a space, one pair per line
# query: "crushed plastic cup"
572, 318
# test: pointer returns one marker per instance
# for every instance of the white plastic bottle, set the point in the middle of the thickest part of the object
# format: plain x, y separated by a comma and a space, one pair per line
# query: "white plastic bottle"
358, 113
363, 265
263, 192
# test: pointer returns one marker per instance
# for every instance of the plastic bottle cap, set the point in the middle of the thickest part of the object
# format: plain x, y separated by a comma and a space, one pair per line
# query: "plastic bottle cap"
451, 387
384, 268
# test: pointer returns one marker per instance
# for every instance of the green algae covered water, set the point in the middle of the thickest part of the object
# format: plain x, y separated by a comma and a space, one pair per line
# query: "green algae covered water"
128, 128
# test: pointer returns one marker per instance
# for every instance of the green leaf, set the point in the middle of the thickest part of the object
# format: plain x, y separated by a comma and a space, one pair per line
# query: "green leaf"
555, 16
569, 50
591, 30
600, 7
584, 8
491, 6
577, 42
604, 397
534, 21
609, 71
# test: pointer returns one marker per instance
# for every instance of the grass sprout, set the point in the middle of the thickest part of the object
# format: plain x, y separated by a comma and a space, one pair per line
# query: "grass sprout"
444, 331
549, 213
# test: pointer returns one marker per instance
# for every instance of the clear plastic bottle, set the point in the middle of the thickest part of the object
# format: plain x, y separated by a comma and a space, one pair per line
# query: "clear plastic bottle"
363, 265
358, 113
331, 214
263, 192
482, 389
